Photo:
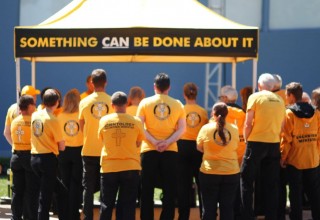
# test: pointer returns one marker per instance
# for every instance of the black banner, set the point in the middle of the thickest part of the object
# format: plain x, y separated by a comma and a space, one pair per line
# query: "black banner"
135, 41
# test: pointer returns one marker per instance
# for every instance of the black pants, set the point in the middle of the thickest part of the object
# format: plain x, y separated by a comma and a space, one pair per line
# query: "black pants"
45, 167
256, 154
25, 186
189, 162
153, 164
311, 179
220, 189
126, 182
70, 169
91, 184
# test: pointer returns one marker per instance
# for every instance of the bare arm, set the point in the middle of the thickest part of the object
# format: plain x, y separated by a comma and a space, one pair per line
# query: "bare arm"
163, 145
7, 133
81, 122
149, 137
61, 145
248, 124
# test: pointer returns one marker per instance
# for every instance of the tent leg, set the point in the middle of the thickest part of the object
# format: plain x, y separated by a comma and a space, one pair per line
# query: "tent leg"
234, 77
254, 74
33, 72
18, 87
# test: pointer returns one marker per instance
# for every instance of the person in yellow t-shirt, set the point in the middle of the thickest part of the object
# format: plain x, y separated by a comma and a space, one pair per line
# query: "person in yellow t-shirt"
164, 122
90, 88
219, 172
121, 135
300, 152
70, 161
91, 109
236, 116
262, 128
136, 94
46, 142
13, 110
189, 158
25, 186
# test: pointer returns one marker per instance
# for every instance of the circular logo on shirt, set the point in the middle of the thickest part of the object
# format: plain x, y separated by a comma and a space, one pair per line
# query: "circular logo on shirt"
37, 127
193, 119
217, 139
161, 111
71, 128
99, 109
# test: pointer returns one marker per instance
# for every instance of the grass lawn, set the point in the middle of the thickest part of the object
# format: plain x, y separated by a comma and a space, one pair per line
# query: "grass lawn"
3, 185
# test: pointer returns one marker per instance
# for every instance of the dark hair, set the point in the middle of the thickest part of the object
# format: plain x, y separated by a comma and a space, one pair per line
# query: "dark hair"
295, 89
25, 101
245, 93
220, 110
89, 78
119, 98
99, 78
135, 92
50, 97
190, 90
316, 97
162, 82
43, 91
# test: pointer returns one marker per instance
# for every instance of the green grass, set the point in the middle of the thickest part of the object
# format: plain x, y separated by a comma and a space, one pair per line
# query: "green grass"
3, 186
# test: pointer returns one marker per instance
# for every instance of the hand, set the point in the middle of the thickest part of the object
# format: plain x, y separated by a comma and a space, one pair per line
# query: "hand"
162, 145
283, 163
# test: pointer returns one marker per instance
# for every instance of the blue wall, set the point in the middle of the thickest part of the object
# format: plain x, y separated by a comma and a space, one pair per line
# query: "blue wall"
293, 54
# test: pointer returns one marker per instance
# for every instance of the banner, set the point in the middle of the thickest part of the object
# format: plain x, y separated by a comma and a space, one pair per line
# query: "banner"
30, 42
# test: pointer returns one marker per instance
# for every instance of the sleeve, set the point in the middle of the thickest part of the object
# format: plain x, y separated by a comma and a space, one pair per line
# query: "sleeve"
251, 103
201, 136
140, 110
286, 140
57, 133
141, 135
81, 110
182, 112
101, 124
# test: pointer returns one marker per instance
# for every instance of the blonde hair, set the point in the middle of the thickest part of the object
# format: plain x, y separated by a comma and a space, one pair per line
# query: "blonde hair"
71, 101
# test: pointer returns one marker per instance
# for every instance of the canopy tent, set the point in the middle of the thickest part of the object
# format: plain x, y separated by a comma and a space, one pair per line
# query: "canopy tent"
136, 31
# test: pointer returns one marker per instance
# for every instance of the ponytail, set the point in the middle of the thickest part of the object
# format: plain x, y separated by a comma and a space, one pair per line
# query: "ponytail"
221, 122
220, 110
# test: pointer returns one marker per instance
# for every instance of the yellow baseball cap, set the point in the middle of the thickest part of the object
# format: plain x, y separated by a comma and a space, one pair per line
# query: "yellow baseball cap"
29, 90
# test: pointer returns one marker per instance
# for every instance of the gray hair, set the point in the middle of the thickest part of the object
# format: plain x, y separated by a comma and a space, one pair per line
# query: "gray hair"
278, 82
266, 81
230, 92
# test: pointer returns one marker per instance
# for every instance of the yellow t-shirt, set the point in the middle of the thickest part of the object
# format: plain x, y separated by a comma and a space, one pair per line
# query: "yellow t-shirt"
120, 133
21, 133
45, 133
12, 113
132, 110
161, 114
196, 117
282, 94
300, 144
269, 113
237, 117
91, 109
72, 134
84, 94
219, 159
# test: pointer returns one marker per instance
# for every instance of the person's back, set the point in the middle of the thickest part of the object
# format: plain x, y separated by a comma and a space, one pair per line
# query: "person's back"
269, 113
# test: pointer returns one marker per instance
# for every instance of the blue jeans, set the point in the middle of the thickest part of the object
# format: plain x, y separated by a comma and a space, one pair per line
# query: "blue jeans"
91, 183
220, 189
311, 179
155, 164
126, 182
256, 153
25, 186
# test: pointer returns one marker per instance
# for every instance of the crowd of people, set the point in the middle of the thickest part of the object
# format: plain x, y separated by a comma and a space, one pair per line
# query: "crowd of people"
125, 146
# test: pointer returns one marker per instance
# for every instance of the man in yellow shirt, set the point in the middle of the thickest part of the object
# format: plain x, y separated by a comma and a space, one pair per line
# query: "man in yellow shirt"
264, 117
300, 152
46, 142
121, 135
24, 182
164, 121
91, 109
13, 110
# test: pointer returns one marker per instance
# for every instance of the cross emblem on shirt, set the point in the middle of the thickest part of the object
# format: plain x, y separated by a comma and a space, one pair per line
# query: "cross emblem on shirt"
19, 132
118, 135
99, 108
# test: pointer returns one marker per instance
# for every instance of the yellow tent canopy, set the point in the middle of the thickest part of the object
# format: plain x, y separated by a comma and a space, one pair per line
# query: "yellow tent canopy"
136, 31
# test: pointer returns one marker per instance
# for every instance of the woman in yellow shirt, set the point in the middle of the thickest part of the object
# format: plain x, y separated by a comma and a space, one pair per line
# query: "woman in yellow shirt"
219, 172
70, 161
